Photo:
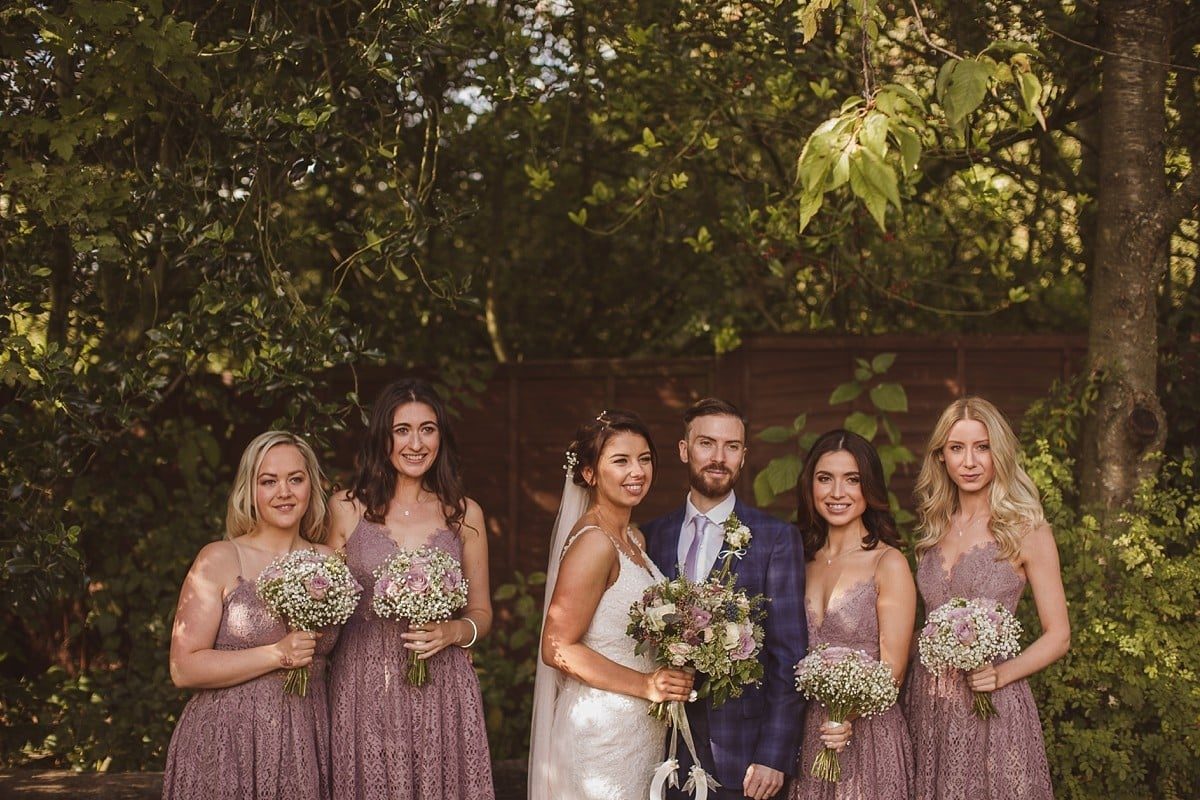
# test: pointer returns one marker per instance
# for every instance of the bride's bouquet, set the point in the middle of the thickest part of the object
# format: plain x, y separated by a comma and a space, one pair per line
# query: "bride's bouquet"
847, 682
966, 634
308, 591
421, 586
711, 627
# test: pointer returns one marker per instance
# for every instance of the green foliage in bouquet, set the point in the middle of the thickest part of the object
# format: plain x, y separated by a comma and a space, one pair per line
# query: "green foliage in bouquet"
1120, 710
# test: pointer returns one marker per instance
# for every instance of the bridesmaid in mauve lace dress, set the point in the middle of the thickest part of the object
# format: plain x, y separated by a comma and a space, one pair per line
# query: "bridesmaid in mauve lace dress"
983, 535
859, 593
240, 737
391, 740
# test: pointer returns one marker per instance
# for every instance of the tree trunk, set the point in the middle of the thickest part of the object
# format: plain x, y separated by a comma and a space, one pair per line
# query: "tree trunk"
1135, 218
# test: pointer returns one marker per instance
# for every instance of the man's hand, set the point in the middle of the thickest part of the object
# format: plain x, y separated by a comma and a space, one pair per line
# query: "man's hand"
761, 782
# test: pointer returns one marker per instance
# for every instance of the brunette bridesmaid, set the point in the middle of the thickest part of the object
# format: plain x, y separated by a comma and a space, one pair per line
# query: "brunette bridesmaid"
983, 535
859, 594
391, 740
240, 737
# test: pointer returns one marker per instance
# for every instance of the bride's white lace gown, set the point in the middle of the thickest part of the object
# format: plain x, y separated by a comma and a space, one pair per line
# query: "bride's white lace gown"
604, 745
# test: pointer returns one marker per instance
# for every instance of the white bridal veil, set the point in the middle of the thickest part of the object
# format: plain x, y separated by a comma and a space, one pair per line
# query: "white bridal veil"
546, 683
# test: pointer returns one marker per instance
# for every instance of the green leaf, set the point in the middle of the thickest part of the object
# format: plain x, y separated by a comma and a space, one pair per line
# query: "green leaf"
862, 375
578, 217
865, 425
1031, 95
965, 90
775, 434
889, 397
505, 591
776, 478
882, 363
799, 422
845, 393
810, 204
873, 135
910, 146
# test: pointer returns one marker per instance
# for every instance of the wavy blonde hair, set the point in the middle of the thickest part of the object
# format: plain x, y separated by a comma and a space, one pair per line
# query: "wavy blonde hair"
1015, 505
240, 513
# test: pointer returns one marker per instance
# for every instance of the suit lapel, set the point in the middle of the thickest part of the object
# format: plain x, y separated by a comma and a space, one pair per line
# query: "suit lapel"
667, 544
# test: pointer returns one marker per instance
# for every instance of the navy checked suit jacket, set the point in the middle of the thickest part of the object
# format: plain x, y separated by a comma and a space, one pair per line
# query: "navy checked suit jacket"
763, 726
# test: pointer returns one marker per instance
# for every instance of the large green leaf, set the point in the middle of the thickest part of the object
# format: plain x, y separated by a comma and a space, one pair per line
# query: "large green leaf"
889, 397
865, 425
845, 393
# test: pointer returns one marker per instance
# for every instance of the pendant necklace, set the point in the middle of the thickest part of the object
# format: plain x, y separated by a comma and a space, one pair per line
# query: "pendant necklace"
970, 520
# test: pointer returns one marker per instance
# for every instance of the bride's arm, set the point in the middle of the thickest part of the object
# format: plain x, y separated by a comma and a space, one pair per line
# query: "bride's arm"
586, 571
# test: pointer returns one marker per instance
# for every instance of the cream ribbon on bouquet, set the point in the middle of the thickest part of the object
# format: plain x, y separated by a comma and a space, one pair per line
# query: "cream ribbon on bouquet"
667, 774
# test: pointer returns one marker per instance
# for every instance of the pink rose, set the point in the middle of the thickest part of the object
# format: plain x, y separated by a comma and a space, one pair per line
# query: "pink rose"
964, 632
745, 645
317, 585
383, 585
452, 579
929, 630
699, 616
416, 580
271, 573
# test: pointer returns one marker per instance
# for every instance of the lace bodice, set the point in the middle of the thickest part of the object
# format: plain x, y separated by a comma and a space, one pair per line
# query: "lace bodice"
607, 632
976, 574
850, 620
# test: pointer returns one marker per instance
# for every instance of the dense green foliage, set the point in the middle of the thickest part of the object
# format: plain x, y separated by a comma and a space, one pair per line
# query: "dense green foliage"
206, 210
1120, 710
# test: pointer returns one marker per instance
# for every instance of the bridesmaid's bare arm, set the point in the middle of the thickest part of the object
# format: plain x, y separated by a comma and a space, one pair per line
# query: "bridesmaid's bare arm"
1039, 559
896, 607
194, 662
344, 514
586, 571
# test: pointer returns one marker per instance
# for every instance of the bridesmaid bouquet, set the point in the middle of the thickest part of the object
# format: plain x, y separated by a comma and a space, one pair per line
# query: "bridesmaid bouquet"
711, 627
966, 634
847, 682
421, 586
307, 591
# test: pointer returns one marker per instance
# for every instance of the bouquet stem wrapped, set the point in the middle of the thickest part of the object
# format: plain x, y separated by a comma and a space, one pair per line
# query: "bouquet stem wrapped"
421, 586
308, 591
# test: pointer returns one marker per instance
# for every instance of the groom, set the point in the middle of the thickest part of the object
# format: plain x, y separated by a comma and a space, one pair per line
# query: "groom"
750, 743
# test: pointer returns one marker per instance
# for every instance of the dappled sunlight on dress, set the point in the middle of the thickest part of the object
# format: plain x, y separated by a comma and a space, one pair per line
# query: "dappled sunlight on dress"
391, 740
877, 764
957, 755
252, 741
605, 745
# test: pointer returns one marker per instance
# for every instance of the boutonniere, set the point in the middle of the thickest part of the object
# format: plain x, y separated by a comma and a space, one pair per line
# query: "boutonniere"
737, 539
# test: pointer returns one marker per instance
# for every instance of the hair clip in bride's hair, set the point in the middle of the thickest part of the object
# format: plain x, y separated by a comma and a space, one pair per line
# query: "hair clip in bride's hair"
572, 460
602, 416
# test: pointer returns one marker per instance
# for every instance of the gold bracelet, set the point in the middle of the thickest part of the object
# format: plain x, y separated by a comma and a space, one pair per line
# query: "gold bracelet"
474, 634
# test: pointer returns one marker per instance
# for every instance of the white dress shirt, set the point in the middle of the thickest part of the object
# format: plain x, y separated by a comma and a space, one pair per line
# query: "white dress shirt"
713, 541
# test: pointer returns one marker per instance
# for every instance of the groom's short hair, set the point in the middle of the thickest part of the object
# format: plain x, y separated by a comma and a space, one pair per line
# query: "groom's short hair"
712, 406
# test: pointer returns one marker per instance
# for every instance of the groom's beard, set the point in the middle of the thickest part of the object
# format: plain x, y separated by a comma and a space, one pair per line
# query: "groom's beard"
713, 482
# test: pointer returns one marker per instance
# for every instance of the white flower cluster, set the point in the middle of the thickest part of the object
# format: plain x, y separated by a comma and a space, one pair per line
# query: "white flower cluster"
846, 682
425, 585
737, 535
309, 590
966, 634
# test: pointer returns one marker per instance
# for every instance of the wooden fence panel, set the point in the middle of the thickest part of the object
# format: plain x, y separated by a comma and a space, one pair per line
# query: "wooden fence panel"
512, 442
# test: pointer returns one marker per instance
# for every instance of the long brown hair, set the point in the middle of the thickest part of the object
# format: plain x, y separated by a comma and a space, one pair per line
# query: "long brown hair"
374, 482
877, 519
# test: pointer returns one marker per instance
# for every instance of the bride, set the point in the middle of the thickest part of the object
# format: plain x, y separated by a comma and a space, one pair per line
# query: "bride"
592, 736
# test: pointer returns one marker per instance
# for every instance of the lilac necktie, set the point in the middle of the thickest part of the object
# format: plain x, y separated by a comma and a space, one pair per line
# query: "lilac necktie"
691, 565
